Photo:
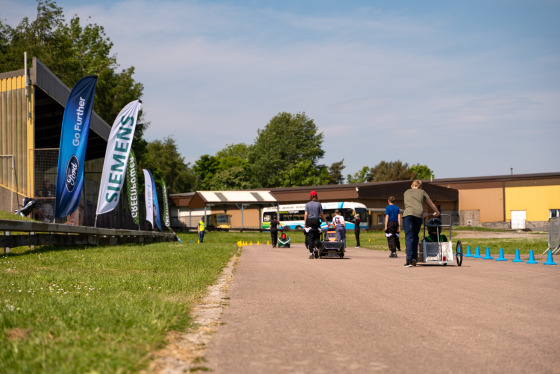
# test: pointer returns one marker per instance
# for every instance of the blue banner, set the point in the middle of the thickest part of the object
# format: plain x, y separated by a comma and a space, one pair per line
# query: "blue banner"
73, 142
156, 205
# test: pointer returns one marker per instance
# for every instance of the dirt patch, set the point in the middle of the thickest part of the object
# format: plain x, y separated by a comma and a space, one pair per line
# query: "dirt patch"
184, 352
17, 334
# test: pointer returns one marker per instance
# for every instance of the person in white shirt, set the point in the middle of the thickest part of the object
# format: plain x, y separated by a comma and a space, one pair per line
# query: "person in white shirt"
340, 227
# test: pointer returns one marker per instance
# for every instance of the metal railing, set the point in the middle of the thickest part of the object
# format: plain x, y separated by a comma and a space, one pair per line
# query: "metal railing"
39, 233
553, 235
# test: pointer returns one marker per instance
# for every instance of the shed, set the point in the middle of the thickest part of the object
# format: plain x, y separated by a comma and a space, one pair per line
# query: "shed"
204, 203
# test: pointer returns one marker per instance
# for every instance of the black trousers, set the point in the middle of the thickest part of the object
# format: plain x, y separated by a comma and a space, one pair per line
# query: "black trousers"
313, 239
393, 240
357, 233
274, 237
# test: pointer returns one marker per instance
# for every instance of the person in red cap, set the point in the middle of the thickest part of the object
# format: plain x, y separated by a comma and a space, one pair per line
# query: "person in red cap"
313, 211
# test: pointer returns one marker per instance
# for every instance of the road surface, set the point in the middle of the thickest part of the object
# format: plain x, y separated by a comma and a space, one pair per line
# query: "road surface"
367, 313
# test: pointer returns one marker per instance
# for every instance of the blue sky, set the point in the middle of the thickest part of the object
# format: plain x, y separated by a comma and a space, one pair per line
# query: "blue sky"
469, 88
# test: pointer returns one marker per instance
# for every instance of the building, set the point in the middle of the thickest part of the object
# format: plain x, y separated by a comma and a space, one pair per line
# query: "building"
523, 201
373, 195
32, 103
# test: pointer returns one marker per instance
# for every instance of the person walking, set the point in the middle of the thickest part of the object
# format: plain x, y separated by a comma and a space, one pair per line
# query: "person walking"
393, 224
201, 229
340, 227
274, 231
357, 229
412, 218
313, 211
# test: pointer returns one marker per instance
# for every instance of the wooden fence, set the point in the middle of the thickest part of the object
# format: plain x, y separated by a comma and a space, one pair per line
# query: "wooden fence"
22, 233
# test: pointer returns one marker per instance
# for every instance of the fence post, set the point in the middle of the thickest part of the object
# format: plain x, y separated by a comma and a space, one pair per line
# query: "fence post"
6, 249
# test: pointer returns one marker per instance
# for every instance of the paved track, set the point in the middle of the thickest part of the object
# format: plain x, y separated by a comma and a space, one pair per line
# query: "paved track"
367, 313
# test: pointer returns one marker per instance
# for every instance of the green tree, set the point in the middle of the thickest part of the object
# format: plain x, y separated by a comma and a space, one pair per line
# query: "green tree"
304, 173
205, 168
390, 171
421, 172
281, 148
165, 162
335, 172
233, 169
361, 176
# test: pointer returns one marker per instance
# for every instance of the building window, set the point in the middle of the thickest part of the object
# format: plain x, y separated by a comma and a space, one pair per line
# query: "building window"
554, 213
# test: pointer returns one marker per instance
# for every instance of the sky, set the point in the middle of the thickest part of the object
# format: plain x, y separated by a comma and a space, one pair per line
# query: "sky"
467, 87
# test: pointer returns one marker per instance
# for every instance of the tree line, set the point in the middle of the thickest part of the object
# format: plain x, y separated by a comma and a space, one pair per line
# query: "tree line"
285, 153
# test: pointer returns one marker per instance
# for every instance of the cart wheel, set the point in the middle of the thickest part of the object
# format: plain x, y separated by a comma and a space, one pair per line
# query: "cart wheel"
459, 253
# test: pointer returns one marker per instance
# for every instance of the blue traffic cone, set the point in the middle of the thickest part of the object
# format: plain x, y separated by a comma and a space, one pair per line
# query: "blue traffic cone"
501, 257
469, 254
531, 259
549, 260
477, 255
488, 257
517, 258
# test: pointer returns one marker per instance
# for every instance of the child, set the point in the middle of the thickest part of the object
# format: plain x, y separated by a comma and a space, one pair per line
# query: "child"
393, 223
340, 227
434, 227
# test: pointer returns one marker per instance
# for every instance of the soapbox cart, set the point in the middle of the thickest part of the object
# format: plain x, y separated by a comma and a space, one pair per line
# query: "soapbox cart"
436, 248
331, 248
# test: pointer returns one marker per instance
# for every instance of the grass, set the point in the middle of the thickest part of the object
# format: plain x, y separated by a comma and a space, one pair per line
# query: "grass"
14, 217
99, 309
106, 309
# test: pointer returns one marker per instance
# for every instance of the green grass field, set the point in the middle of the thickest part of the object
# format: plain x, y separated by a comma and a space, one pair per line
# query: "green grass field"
99, 309
106, 309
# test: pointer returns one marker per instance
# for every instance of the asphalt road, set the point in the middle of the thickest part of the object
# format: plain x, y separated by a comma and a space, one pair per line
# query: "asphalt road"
367, 313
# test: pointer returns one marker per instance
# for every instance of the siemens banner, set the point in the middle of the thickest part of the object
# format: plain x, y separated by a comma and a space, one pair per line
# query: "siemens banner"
116, 157
73, 142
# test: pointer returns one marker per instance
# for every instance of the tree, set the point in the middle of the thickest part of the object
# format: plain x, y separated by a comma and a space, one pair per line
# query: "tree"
304, 173
72, 52
362, 176
280, 149
205, 168
390, 171
232, 171
165, 162
335, 172
421, 172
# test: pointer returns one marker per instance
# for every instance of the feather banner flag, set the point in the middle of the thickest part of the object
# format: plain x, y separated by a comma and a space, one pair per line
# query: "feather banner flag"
116, 157
148, 195
132, 188
156, 204
73, 143
166, 219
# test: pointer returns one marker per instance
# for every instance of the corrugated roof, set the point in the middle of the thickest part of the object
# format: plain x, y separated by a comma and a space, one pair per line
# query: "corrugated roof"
220, 197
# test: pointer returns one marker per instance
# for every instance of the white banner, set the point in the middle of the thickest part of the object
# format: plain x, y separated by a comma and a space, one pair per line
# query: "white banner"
116, 157
149, 197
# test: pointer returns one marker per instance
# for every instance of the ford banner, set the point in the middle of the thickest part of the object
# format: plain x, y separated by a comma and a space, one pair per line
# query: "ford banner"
73, 142
116, 157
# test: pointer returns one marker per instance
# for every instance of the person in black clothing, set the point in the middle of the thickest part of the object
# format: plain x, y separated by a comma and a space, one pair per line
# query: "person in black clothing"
357, 229
434, 231
274, 231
